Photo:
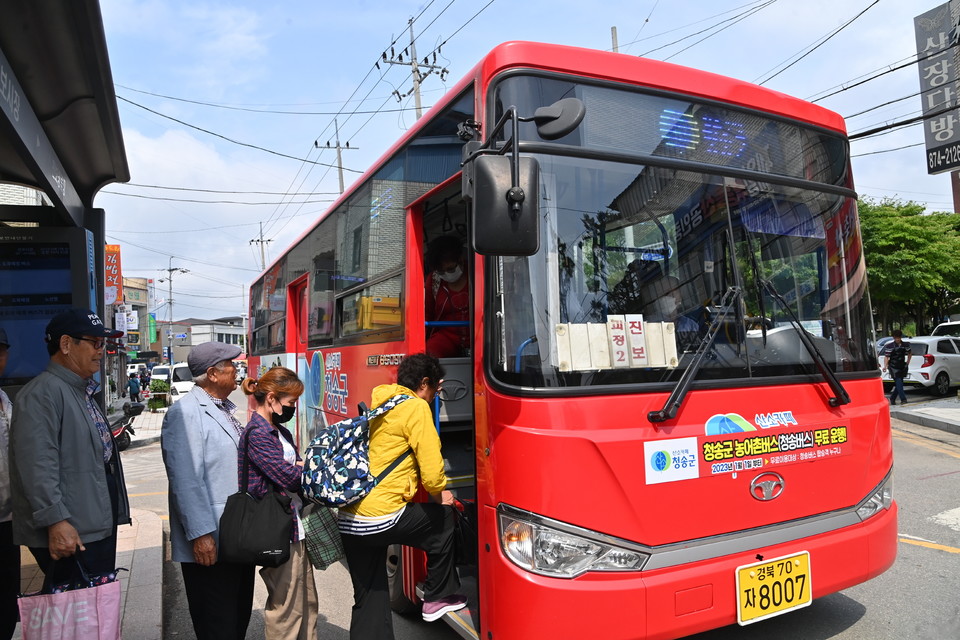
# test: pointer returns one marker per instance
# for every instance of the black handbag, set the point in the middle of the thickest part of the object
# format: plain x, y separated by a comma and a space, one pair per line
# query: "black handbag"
465, 540
255, 530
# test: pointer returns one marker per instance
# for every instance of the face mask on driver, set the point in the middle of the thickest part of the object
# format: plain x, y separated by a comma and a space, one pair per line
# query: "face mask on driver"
451, 276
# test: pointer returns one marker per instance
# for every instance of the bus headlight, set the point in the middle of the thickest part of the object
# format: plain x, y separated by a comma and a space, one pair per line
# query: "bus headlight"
881, 499
552, 548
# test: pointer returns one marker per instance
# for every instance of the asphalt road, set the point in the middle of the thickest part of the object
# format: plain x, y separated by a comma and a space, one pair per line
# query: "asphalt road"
915, 599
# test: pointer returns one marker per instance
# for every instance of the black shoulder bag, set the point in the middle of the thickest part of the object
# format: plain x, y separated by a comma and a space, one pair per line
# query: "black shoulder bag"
255, 530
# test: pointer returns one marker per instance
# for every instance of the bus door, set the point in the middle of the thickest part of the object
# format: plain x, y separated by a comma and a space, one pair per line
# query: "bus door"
449, 327
296, 340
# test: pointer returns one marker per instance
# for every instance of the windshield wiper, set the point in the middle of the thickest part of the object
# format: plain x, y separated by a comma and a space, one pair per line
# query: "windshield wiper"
840, 394
672, 405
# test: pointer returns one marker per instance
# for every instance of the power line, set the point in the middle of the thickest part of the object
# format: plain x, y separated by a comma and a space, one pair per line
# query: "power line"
873, 153
260, 193
736, 18
223, 137
146, 197
716, 15
248, 109
821, 43
152, 250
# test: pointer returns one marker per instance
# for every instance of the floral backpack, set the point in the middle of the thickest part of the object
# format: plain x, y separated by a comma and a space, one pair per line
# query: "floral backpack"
336, 469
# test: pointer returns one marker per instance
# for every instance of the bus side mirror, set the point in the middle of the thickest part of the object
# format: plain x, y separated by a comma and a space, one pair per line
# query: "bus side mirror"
499, 227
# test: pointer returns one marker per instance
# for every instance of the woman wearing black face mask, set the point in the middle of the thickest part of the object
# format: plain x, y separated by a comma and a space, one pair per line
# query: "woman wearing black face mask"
291, 608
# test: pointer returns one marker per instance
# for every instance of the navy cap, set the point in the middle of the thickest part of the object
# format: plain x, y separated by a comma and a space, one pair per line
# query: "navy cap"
3, 337
78, 322
203, 356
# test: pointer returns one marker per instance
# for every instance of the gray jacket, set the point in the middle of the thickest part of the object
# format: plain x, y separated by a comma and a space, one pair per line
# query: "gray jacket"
199, 445
56, 462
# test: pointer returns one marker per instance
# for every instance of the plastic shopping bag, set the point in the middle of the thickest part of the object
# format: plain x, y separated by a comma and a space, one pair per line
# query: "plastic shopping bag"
79, 614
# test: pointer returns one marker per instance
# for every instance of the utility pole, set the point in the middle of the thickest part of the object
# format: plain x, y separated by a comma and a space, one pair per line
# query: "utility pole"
415, 68
261, 241
336, 127
613, 36
170, 271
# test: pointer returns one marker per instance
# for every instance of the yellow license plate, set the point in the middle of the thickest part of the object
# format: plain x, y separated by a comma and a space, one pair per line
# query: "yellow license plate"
771, 587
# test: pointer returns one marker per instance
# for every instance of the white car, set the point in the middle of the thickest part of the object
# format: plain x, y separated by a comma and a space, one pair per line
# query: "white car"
935, 364
182, 381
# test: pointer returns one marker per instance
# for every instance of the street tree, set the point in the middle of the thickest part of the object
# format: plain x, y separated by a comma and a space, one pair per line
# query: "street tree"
913, 261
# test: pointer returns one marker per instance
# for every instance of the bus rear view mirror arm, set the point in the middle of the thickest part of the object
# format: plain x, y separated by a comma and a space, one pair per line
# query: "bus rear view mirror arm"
505, 220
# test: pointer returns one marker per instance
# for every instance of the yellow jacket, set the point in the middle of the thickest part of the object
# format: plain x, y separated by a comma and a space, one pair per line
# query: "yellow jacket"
409, 425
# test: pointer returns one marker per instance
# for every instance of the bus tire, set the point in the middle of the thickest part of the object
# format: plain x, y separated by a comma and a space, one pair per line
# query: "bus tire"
399, 602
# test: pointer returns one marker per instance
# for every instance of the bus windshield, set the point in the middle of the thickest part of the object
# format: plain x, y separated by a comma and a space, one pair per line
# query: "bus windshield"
635, 260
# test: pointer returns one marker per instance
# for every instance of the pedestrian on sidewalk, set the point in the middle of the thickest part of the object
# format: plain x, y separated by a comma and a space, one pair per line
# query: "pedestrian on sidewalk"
65, 473
896, 359
133, 385
290, 612
199, 441
386, 515
9, 552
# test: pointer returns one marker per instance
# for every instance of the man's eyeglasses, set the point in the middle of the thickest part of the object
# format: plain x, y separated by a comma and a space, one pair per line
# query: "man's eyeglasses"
98, 343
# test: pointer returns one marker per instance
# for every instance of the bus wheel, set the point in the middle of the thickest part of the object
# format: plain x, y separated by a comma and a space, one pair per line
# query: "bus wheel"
398, 600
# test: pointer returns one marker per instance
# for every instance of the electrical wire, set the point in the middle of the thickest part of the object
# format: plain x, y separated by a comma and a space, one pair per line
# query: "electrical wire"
223, 137
736, 18
821, 43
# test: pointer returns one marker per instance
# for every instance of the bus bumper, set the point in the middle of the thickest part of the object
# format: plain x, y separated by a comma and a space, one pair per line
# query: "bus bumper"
672, 602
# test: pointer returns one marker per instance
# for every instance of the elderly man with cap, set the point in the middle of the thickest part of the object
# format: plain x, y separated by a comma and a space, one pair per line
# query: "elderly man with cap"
9, 552
66, 479
200, 441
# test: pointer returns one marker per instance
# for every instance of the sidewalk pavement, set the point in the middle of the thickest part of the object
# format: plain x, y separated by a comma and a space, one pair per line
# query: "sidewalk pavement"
939, 413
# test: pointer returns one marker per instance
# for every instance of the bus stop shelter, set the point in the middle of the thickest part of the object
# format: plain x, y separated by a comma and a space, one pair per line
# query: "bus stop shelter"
59, 134
59, 124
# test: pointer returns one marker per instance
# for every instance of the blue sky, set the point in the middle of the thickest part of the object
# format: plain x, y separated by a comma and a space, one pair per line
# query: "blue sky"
214, 94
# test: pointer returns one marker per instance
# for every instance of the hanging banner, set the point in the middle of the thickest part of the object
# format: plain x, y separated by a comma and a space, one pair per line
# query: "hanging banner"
152, 327
113, 277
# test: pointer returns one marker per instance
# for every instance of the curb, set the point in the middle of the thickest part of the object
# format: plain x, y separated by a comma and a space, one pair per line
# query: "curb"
917, 417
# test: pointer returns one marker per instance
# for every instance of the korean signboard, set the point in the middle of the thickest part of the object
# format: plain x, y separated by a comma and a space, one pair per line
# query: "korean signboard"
113, 278
937, 64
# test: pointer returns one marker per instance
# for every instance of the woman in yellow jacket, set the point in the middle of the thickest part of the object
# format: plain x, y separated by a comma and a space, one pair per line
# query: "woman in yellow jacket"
386, 516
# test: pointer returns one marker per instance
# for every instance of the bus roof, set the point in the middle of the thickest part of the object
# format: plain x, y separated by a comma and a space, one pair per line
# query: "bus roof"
655, 74
602, 65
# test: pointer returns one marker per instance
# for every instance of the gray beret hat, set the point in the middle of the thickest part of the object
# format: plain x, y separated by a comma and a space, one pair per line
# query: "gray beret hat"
203, 356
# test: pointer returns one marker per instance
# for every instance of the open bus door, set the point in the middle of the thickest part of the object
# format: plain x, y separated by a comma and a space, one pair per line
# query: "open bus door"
442, 214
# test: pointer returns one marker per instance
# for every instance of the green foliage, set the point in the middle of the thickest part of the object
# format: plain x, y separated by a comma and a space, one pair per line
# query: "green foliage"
156, 402
159, 386
913, 262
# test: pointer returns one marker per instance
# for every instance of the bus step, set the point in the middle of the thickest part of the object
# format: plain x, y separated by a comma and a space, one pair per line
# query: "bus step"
466, 621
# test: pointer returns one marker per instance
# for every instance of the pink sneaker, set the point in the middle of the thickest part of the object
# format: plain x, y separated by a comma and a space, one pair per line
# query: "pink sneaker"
438, 608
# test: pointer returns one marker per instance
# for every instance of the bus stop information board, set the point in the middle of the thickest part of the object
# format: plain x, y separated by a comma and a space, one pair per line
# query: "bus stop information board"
936, 32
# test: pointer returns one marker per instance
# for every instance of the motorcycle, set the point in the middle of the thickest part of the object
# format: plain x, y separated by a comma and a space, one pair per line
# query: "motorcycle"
122, 427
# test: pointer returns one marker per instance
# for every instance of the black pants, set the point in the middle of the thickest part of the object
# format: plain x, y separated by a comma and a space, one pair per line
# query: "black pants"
427, 526
9, 581
220, 598
100, 556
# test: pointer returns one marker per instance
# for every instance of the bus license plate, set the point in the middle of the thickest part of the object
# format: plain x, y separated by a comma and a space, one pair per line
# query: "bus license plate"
769, 588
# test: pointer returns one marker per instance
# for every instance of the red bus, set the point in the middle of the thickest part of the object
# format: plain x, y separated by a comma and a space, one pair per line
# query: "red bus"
667, 404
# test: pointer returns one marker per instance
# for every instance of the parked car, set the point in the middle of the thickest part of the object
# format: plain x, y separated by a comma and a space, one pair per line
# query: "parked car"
934, 365
947, 329
182, 381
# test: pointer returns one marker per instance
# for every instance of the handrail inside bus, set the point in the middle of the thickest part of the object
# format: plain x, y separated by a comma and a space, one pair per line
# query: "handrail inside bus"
523, 345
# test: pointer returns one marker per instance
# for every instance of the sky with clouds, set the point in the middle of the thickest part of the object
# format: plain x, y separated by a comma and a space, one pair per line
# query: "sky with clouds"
222, 102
